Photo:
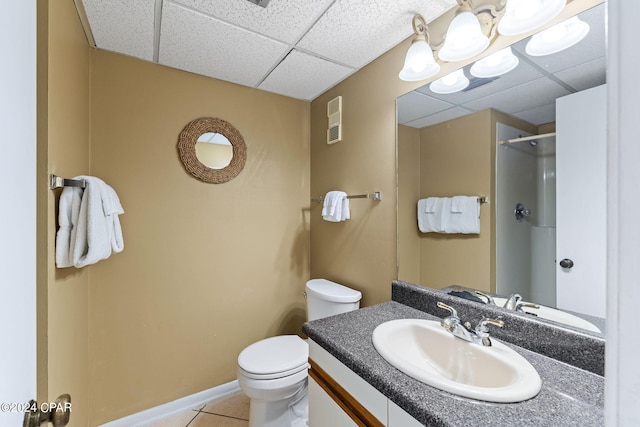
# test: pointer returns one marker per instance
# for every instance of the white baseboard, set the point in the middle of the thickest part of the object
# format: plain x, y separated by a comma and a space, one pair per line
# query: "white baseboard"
183, 404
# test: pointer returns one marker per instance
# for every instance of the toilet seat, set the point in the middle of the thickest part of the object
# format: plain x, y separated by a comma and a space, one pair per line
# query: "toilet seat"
274, 357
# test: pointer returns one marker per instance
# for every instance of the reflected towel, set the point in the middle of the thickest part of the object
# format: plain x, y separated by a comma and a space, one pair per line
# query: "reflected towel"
464, 216
430, 214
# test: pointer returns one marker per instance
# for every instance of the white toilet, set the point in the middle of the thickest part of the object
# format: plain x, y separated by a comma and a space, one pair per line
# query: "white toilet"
273, 372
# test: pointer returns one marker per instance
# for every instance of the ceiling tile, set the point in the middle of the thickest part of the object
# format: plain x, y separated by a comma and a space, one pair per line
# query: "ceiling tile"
304, 76
443, 116
284, 20
355, 32
414, 105
538, 92
200, 44
539, 115
585, 76
123, 26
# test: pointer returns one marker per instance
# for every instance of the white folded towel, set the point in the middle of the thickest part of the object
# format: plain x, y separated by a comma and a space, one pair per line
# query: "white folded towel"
464, 215
430, 214
96, 232
68, 211
336, 207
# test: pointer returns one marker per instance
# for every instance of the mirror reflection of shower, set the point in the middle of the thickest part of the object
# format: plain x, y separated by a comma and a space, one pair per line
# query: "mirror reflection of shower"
526, 215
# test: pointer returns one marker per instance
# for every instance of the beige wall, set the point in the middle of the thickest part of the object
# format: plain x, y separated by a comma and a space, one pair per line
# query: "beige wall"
454, 157
65, 153
207, 269
408, 193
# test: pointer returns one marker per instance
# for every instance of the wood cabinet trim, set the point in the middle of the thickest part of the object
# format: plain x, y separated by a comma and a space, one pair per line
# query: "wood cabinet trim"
358, 413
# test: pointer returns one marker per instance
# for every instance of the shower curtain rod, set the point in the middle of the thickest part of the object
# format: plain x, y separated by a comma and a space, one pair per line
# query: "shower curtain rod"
528, 138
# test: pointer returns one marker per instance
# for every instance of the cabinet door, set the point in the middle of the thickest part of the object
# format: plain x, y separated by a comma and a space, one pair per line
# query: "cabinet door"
581, 201
323, 411
398, 417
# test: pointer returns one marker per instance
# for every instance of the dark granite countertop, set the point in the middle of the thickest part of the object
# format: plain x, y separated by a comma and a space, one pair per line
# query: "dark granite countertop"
569, 396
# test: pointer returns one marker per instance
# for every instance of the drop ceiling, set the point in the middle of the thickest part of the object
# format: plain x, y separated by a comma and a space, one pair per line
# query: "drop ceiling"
528, 92
296, 48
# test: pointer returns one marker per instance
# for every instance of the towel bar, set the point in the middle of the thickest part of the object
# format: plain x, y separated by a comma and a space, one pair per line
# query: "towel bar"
376, 195
57, 182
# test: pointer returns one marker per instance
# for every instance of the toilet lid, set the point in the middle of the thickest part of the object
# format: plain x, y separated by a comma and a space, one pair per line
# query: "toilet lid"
274, 355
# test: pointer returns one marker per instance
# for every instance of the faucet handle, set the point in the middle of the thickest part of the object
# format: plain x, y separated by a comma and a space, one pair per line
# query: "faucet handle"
488, 297
452, 310
482, 329
520, 306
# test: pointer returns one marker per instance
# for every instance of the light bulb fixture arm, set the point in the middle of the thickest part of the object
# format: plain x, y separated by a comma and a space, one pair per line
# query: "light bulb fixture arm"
420, 28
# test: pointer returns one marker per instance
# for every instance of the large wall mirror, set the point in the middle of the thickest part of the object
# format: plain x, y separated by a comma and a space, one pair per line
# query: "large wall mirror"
212, 150
450, 144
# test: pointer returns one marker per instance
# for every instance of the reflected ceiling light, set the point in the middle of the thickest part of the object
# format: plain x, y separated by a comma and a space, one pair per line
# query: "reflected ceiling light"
464, 37
495, 64
559, 37
451, 83
419, 63
522, 16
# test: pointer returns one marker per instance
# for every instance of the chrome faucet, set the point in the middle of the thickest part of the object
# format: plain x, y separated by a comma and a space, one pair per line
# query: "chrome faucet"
453, 324
512, 301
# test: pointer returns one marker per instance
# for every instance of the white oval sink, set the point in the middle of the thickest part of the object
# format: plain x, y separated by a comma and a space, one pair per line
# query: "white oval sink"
424, 350
556, 315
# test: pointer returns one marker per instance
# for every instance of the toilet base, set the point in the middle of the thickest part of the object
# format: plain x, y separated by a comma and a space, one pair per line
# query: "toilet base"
292, 412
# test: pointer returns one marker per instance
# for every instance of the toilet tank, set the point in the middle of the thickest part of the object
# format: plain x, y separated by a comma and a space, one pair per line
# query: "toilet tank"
326, 298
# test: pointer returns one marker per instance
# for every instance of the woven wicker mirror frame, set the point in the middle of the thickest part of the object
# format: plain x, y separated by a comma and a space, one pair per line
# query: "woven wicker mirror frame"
187, 150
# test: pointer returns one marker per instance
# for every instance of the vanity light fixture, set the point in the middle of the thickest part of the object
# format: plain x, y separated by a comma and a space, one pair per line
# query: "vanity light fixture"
495, 64
557, 38
522, 16
464, 37
451, 83
419, 64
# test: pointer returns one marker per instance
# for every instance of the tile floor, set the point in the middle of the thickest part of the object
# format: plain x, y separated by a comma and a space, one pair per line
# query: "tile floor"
229, 411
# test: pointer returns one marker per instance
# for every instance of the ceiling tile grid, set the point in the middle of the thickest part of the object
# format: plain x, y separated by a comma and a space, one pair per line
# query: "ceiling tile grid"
532, 94
317, 74
439, 117
123, 26
198, 43
355, 32
414, 105
283, 20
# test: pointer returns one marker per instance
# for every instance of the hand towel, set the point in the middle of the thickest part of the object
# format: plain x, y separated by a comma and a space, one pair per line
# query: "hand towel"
98, 232
68, 212
430, 214
336, 207
464, 216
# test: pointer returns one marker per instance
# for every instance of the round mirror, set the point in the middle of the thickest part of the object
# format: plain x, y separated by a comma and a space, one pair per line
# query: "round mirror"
212, 150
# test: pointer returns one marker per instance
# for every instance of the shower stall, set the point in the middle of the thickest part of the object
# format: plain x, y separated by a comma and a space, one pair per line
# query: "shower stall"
526, 216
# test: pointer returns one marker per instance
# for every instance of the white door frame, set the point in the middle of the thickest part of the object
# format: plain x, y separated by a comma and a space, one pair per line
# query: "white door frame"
18, 208
622, 372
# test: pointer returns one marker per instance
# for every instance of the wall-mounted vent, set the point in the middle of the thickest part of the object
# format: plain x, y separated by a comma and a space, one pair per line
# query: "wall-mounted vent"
262, 3
334, 112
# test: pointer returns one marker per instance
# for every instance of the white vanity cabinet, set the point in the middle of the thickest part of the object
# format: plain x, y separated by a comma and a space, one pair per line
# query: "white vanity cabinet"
338, 397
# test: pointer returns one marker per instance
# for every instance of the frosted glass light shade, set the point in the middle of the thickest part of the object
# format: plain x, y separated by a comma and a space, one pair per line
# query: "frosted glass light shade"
557, 38
451, 83
522, 16
495, 64
464, 38
419, 63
